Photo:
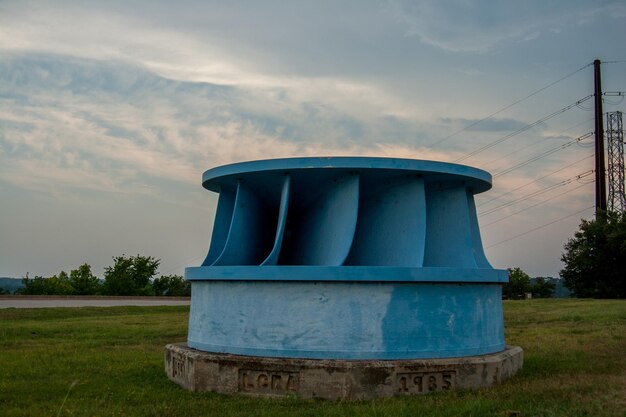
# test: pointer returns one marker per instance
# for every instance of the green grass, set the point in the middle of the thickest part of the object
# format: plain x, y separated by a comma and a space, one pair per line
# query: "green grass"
109, 362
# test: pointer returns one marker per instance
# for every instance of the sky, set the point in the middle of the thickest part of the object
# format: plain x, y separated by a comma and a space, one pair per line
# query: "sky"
111, 111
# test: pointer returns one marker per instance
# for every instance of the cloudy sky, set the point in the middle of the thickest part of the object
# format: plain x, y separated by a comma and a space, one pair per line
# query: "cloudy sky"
110, 111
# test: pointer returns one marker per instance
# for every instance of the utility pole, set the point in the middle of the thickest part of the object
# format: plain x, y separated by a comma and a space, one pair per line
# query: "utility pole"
599, 148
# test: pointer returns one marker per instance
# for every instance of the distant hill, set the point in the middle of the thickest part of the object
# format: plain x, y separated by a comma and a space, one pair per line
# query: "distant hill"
11, 284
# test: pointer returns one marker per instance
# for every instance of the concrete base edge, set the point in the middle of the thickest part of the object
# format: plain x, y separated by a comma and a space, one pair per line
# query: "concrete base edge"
197, 370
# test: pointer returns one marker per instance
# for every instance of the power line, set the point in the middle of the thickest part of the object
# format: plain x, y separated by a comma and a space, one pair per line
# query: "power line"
532, 206
538, 192
534, 181
538, 228
543, 154
523, 129
510, 105
538, 142
584, 108
179, 265
619, 94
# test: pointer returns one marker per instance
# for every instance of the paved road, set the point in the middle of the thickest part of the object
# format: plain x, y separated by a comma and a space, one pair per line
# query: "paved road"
78, 302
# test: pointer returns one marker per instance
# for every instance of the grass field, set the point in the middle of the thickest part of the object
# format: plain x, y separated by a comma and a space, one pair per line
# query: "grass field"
109, 362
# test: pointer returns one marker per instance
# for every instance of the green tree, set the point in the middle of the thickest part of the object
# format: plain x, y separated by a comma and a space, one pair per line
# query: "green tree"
55, 285
518, 285
595, 259
60, 284
171, 285
542, 288
84, 282
130, 275
32, 286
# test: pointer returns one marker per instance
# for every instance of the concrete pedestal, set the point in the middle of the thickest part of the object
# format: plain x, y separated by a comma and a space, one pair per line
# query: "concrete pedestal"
197, 370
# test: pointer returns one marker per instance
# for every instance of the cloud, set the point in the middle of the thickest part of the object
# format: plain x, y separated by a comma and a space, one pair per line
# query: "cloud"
341, 59
479, 26
485, 125
277, 62
228, 44
83, 124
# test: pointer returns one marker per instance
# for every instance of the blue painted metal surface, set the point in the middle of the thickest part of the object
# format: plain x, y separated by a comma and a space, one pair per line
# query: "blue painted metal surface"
272, 258
346, 258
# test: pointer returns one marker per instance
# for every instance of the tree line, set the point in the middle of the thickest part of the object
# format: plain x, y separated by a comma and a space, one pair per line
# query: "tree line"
131, 276
520, 284
594, 266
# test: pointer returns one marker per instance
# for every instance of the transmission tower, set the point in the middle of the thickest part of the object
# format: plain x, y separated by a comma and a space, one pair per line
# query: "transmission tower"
615, 145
